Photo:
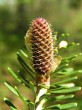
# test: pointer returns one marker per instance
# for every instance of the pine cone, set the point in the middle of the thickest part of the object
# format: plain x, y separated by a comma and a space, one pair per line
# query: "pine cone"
42, 46
40, 41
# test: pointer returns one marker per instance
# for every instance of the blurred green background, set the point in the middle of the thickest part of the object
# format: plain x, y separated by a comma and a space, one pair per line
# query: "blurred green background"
15, 18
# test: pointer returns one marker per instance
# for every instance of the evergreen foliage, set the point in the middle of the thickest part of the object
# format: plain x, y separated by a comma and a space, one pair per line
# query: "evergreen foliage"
61, 88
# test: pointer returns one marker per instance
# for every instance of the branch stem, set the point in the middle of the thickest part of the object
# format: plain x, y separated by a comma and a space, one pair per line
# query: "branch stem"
41, 90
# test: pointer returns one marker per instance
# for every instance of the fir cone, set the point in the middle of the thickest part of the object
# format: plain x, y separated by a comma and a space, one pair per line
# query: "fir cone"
40, 38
